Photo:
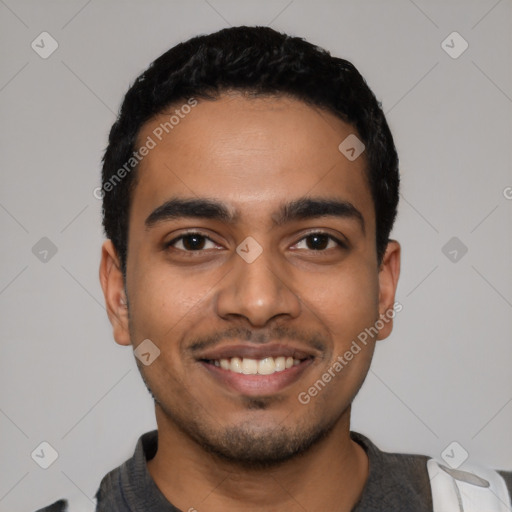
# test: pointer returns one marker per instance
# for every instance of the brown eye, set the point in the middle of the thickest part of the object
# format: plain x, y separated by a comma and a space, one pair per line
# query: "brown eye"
192, 242
318, 242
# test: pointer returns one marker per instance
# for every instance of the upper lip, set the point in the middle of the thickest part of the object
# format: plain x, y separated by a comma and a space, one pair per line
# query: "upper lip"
256, 352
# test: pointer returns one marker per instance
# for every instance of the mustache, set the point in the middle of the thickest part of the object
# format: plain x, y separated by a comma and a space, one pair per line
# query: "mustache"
259, 337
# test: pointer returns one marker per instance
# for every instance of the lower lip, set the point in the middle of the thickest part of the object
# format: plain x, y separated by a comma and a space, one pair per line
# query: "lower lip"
258, 385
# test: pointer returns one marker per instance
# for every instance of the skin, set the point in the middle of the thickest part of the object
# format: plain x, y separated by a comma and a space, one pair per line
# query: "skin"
252, 155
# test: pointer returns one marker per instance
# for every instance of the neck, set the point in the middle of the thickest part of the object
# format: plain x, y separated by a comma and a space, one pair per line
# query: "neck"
329, 476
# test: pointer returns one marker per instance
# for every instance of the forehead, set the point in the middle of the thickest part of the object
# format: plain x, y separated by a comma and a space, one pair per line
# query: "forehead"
250, 153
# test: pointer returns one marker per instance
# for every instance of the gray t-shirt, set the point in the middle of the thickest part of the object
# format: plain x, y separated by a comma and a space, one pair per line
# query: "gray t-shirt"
396, 483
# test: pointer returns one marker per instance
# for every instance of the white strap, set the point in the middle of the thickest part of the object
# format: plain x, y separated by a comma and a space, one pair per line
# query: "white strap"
467, 489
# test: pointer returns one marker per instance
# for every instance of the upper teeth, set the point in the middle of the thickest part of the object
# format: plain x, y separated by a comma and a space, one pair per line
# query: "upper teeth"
266, 366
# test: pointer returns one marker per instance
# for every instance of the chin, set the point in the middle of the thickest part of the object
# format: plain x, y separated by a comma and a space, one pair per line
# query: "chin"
254, 446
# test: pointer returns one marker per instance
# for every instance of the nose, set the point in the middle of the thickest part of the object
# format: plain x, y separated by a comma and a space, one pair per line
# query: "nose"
257, 291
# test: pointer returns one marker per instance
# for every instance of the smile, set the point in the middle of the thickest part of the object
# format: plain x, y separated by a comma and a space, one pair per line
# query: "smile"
248, 366
257, 370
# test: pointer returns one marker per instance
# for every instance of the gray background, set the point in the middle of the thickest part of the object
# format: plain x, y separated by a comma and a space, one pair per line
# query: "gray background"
443, 376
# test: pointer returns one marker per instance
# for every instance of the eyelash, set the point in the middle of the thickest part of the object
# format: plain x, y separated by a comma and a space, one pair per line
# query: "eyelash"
338, 242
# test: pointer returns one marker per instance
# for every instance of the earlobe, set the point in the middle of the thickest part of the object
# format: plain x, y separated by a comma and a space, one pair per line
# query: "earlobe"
388, 281
112, 283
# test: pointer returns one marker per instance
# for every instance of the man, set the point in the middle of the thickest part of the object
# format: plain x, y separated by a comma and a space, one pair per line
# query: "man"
249, 189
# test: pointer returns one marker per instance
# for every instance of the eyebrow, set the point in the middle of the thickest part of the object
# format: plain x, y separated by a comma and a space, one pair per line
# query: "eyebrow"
299, 209
311, 208
193, 208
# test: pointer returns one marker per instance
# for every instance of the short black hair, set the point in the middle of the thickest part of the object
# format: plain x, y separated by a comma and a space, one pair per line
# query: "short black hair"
259, 61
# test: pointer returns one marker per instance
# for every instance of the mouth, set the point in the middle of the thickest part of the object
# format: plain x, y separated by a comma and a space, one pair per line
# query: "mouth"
248, 366
257, 371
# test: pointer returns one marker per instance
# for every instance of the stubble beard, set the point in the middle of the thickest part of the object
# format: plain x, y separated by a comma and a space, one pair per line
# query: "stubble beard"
247, 445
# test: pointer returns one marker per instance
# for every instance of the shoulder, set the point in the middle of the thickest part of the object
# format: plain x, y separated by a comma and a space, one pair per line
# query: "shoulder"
120, 486
398, 481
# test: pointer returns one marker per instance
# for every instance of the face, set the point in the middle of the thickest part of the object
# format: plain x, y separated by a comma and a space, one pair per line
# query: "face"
252, 267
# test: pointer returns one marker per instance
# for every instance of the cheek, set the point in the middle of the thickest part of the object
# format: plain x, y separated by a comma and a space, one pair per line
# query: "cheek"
346, 301
162, 301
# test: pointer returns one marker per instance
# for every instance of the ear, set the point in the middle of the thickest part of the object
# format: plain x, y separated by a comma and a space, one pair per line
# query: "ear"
112, 282
388, 281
